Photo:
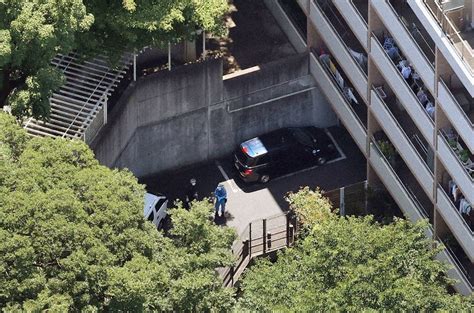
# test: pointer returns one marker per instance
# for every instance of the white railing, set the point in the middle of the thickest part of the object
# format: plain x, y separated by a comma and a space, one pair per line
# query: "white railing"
403, 144
463, 49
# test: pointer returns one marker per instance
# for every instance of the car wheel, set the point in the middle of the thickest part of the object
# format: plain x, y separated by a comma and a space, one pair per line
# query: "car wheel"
264, 179
321, 160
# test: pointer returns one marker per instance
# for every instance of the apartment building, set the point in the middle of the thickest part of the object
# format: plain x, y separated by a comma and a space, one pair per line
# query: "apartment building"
400, 76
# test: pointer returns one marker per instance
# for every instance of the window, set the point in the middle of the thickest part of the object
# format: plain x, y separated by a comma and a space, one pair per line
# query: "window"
151, 217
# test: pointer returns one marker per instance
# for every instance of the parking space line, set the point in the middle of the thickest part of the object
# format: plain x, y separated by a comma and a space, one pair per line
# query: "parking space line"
335, 144
226, 177
309, 168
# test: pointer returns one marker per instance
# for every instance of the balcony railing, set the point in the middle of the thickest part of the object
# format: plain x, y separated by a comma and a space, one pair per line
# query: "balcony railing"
400, 74
428, 47
461, 47
361, 115
455, 210
461, 154
422, 169
333, 19
424, 213
460, 265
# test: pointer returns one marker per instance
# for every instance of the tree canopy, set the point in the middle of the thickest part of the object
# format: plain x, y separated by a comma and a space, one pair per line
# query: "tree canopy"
73, 236
32, 32
351, 264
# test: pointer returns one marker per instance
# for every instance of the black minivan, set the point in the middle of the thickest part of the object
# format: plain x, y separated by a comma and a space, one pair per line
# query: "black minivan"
282, 151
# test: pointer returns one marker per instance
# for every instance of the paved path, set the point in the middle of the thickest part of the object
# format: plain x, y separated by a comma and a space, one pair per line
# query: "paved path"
248, 203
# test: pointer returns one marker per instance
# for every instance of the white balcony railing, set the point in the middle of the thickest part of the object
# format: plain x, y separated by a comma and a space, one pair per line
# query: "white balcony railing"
354, 19
339, 50
456, 115
402, 91
407, 44
342, 108
456, 223
402, 143
395, 186
455, 168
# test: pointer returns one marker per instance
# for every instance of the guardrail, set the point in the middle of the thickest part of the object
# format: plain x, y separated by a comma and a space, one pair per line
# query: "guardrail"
452, 33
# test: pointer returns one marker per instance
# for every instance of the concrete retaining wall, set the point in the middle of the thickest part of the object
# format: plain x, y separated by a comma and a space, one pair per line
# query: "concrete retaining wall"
189, 115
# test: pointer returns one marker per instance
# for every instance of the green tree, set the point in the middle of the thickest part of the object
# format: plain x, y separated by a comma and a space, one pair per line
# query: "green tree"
129, 24
32, 32
352, 264
73, 236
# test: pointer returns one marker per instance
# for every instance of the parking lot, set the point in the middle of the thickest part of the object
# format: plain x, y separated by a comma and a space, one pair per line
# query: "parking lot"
256, 201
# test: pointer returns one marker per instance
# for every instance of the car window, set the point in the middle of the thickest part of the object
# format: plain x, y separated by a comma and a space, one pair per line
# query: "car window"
243, 158
159, 204
151, 217
303, 137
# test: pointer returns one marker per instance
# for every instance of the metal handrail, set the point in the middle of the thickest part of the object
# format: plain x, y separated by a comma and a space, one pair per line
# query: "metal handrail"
339, 37
454, 259
333, 82
358, 12
410, 194
442, 135
404, 81
451, 31
403, 131
454, 208
456, 101
413, 38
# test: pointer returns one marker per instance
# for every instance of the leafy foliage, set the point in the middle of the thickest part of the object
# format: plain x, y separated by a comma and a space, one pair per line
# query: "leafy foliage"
73, 237
32, 32
352, 264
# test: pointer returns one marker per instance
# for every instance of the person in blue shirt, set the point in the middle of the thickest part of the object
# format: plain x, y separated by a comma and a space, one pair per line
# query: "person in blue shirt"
221, 198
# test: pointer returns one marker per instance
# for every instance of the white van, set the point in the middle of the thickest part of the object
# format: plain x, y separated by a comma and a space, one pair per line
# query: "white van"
155, 209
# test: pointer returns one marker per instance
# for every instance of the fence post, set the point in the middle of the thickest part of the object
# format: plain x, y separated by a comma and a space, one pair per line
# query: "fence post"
264, 235
341, 202
245, 249
269, 240
287, 230
250, 240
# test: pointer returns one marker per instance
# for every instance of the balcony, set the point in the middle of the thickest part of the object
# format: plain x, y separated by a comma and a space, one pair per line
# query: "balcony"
403, 90
461, 40
345, 109
356, 15
456, 222
402, 143
337, 45
461, 270
409, 45
462, 170
400, 191
460, 111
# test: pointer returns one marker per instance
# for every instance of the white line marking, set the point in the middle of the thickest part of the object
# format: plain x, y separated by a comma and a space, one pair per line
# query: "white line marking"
309, 168
342, 157
226, 177
335, 143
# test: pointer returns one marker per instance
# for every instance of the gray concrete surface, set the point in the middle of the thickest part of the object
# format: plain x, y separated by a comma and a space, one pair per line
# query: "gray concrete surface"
247, 203
172, 119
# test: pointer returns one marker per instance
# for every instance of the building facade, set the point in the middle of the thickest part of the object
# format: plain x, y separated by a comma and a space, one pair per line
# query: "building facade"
400, 77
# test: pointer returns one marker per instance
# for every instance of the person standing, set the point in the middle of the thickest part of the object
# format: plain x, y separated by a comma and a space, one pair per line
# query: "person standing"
221, 198
191, 193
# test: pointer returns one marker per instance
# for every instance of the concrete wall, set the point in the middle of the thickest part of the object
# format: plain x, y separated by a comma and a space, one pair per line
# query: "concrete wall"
189, 115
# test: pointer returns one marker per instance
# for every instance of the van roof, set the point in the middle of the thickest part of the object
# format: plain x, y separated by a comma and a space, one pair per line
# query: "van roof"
150, 202
253, 147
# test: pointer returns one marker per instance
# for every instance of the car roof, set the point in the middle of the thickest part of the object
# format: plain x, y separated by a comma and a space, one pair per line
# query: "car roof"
150, 202
268, 142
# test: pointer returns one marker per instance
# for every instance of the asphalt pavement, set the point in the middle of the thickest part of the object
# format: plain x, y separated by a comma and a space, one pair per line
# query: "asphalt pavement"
247, 203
